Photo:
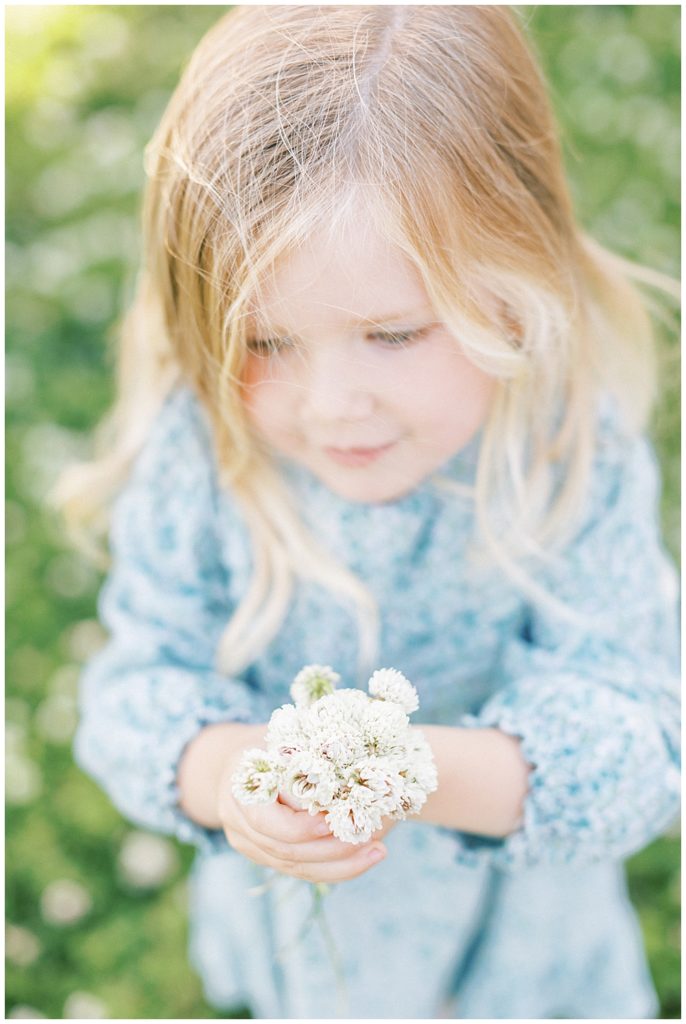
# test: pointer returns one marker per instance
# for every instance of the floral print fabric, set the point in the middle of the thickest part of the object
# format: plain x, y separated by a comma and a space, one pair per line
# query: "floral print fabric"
537, 924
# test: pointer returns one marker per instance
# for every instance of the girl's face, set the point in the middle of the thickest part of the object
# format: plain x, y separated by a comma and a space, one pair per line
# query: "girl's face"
351, 374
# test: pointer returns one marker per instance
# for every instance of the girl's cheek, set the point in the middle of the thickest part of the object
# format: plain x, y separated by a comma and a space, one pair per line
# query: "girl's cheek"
258, 384
255, 371
268, 403
254, 397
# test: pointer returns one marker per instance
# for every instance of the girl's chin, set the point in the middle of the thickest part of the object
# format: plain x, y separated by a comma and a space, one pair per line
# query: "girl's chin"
369, 489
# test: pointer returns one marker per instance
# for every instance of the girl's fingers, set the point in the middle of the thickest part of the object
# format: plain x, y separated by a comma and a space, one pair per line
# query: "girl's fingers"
361, 860
277, 821
315, 852
326, 848
287, 836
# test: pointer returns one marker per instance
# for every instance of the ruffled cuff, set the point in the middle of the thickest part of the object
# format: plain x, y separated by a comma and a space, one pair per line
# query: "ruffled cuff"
175, 821
179, 731
133, 738
601, 786
525, 847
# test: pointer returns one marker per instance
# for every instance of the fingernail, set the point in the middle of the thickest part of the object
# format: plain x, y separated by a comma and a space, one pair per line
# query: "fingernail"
323, 829
376, 853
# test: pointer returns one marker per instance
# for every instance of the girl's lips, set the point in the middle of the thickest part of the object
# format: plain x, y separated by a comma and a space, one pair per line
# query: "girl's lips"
357, 456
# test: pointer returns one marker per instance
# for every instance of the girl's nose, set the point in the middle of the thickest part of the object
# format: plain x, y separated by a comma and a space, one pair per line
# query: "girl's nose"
337, 386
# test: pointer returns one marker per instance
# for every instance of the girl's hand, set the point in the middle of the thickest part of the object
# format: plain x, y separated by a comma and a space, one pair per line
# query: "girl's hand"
288, 840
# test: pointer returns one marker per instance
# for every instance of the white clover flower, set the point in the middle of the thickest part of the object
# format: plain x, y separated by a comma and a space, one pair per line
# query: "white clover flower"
344, 752
335, 726
312, 780
381, 777
340, 822
411, 801
422, 764
257, 779
312, 683
342, 747
285, 733
385, 727
418, 775
342, 706
366, 815
390, 685
354, 819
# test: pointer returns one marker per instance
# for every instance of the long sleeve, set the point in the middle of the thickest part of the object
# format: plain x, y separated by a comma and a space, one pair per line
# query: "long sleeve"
164, 604
596, 706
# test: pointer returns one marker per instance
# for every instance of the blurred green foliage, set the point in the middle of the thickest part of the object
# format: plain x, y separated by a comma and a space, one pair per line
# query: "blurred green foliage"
95, 908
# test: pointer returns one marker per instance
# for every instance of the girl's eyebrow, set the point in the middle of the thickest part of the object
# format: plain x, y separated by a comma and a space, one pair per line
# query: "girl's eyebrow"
389, 317
386, 318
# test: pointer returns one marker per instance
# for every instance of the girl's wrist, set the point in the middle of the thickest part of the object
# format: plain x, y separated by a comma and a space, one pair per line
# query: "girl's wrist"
483, 780
206, 765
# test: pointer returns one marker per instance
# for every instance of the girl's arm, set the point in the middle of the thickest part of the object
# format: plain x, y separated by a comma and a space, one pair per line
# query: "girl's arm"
153, 687
280, 835
592, 707
483, 780
203, 766
482, 776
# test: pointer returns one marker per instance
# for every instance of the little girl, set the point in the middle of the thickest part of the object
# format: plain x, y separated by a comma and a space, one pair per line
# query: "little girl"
382, 403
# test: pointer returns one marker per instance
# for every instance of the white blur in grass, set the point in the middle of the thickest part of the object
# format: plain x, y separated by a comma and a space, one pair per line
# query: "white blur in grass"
23, 782
85, 639
22, 948
69, 575
56, 718
146, 861
64, 902
84, 1006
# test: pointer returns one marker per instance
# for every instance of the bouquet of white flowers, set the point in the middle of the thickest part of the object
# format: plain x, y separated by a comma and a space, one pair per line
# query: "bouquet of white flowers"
348, 753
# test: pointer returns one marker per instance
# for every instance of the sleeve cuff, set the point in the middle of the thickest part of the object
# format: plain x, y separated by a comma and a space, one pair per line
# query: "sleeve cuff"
137, 765
593, 795
177, 737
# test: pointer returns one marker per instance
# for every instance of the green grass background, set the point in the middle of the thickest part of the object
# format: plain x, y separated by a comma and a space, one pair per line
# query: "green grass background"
85, 87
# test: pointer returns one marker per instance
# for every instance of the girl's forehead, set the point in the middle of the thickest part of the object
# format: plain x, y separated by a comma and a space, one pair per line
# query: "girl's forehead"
342, 281
353, 263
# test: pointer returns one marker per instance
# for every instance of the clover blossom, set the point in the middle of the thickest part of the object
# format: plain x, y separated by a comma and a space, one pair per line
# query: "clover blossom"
313, 682
312, 780
286, 735
391, 685
356, 818
345, 752
257, 779
380, 777
384, 728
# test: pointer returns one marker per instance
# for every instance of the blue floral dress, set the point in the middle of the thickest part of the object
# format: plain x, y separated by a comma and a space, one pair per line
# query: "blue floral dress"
534, 925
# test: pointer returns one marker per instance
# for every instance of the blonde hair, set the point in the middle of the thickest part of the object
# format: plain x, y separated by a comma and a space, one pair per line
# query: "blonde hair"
439, 116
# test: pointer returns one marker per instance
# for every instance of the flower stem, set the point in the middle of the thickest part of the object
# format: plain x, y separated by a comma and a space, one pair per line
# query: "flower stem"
316, 914
319, 893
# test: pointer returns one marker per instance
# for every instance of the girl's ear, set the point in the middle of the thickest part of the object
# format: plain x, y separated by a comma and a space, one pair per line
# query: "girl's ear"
503, 315
511, 323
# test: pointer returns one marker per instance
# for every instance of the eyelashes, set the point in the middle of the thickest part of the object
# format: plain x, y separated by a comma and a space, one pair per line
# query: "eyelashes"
398, 339
267, 347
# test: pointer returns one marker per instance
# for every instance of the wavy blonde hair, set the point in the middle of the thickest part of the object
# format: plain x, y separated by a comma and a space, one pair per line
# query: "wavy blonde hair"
440, 114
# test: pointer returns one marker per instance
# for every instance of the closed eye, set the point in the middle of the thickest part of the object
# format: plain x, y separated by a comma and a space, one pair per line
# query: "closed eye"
266, 347
399, 338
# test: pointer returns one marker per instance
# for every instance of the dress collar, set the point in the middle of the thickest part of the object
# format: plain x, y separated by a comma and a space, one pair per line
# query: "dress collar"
367, 535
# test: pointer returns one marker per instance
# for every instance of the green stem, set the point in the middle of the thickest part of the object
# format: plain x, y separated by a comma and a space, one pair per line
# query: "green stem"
319, 891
